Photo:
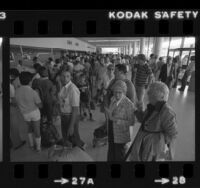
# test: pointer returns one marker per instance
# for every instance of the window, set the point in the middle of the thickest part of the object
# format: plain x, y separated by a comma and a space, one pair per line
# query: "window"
175, 42
165, 46
109, 50
189, 42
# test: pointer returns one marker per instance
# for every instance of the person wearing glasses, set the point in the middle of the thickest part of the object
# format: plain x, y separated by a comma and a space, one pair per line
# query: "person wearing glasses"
120, 115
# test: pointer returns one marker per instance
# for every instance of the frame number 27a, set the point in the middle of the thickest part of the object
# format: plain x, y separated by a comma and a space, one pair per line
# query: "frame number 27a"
82, 181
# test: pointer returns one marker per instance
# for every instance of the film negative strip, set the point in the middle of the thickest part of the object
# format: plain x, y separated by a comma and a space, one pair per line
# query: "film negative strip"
28, 36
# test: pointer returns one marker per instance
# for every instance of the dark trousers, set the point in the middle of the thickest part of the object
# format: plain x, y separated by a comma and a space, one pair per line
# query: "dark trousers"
47, 111
184, 79
169, 82
176, 78
75, 138
116, 152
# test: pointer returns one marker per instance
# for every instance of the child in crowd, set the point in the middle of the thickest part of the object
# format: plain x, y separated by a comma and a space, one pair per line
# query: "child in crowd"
29, 103
85, 97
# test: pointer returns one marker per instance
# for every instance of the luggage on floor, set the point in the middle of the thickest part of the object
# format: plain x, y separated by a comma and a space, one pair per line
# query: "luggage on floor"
49, 135
100, 136
61, 154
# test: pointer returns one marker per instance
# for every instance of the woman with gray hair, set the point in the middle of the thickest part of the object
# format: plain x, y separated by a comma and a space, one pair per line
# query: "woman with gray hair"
155, 138
121, 115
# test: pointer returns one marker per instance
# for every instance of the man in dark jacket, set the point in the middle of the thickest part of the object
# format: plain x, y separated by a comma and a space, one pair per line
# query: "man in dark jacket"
44, 87
168, 73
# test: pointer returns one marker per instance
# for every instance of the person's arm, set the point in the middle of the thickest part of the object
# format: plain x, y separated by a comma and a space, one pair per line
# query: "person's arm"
105, 81
169, 126
151, 79
150, 75
139, 114
135, 72
131, 93
37, 99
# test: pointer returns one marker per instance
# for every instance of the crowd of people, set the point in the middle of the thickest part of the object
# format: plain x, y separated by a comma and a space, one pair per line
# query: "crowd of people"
70, 87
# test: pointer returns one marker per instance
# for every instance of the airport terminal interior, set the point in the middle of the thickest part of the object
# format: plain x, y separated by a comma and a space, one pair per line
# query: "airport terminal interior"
93, 58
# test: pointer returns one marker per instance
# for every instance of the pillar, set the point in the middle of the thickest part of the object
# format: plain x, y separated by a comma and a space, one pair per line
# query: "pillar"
127, 49
182, 42
130, 49
142, 45
124, 50
182, 45
158, 46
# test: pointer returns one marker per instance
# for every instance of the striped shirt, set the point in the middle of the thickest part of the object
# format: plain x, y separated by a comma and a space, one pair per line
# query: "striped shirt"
143, 72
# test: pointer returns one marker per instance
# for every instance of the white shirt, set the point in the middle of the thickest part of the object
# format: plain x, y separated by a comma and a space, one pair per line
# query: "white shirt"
69, 97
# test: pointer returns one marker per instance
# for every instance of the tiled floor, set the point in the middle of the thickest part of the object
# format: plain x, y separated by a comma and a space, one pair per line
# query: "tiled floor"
182, 103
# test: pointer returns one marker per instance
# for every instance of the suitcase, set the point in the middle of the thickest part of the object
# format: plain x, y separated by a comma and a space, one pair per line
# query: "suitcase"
65, 154
100, 136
